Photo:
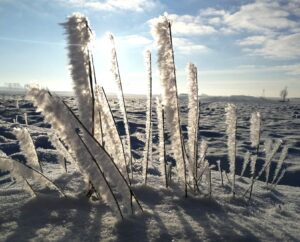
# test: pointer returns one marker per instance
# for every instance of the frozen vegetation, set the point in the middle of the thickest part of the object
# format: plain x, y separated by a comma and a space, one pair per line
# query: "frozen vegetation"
93, 167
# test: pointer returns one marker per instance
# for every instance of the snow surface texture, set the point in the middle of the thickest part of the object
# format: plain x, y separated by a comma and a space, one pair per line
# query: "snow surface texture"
270, 216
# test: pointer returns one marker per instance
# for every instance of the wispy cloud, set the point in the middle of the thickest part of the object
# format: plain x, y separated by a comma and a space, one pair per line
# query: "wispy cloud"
187, 25
272, 28
112, 5
188, 47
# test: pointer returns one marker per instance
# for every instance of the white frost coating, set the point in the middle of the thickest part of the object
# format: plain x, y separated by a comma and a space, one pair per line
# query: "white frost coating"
253, 164
20, 171
270, 149
79, 37
161, 32
193, 117
116, 74
161, 137
231, 139
66, 125
111, 138
148, 138
61, 148
202, 153
255, 129
27, 148
282, 157
245, 162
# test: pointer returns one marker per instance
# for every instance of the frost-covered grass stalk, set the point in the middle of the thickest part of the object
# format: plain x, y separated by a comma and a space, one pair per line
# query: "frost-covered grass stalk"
148, 115
161, 31
26, 118
193, 120
220, 170
161, 145
271, 149
245, 162
94, 162
255, 129
231, 121
79, 38
57, 143
111, 137
23, 172
282, 157
117, 77
28, 148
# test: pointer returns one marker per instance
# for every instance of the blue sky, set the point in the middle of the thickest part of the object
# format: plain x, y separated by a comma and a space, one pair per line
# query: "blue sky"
239, 47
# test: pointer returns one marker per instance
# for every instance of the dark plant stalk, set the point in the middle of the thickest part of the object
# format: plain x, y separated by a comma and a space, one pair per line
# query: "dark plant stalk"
103, 175
165, 160
28, 184
99, 145
122, 145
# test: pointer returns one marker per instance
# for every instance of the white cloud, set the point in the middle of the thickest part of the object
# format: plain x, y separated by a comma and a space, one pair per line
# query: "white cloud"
261, 16
112, 5
273, 27
187, 25
185, 46
281, 47
253, 40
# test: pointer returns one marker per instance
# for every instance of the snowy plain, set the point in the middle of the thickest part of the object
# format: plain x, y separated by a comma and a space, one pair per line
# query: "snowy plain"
271, 215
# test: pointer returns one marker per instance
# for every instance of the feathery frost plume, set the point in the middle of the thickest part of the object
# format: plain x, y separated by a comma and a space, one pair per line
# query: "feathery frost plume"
27, 147
55, 141
111, 138
161, 145
255, 129
93, 160
270, 150
282, 157
245, 162
161, 31
79, 37
23, 172
193, 117
231, 121
116, 74
148, 142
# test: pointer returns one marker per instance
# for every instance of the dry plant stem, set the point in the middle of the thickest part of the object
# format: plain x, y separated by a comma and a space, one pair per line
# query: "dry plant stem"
93, 95
114, 164
103, 175
28, 184
256, 178
227, 178
210, 183
165, 160
252, 179
125, 117
196, 147
178, 113
122, 145
65, 165
150, 123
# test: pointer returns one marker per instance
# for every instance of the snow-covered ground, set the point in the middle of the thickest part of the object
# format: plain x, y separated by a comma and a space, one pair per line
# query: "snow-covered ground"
271, 215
